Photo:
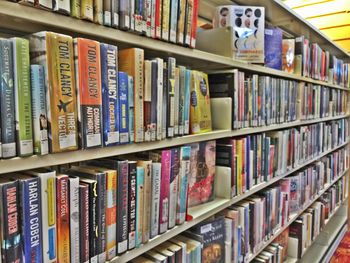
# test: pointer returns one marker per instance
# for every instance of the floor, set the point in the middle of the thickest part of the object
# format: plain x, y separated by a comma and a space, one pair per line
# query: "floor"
342, 254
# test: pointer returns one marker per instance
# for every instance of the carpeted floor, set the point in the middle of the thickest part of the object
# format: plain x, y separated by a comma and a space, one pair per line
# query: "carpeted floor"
342, 254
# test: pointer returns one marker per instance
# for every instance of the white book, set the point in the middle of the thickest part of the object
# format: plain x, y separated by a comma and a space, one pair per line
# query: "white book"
46, 4
222, 184
48, 204
62, 6
74, 219
156, 175
228, 240
159, 98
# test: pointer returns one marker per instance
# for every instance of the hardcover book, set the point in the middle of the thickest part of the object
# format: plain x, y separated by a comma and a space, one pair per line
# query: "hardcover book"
124, 14
41, 144
110, 107
188, 22
84, 223
61, 6
115, 13
273, 48
173, 20
288, 49
122, 207
131, 61
164, 191
187, 101
7, 100
181, 21
87, 10
131, 108
202, 175
173, 187
176, 102
23, 99
107, 7
185, 154
75, 8
123, 107
88, 78
165, 19
132, 204
98, 11
156, 185
140, 171
74, 226
49, 50
147, 99
194, 23
159, 96
170, 120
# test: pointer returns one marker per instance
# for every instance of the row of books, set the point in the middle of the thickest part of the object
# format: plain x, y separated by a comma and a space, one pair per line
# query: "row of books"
104, 207
107, 97
240, 230
264, 100
172, 21
260, 157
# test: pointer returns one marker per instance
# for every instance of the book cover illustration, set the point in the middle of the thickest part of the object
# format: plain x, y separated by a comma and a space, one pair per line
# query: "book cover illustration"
273, 48
248, 23
202, 174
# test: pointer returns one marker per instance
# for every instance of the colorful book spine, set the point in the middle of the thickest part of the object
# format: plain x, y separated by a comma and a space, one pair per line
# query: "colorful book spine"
165, 19
123, 107
158, 19
84, 223
132, 205
101, 215
51, 49
88, 77
109, 74
164, 191
124, 14
75, 8
74, 201
153, 19
185, 155
154, 100
111, 214
171, 100
107, 8
173, 187
181, 22
140, 176
159, 79
176, 101
138, 15
194, 23
87, 10
188, 22
61, 6
147, 99
122, 207
31, 219
41, 145
131, 61
7, 100
131, 108
156, 176
182, 84
98, 11
62, 215
115, 13
187, 101
173, 20
23, 100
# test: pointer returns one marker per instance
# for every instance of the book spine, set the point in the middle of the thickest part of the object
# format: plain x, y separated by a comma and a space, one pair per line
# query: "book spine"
147, 99
131, 108
154, 100
164, 191
7, 100
181, 114
132, 205
11, 225
140, 172
84, 223
159, 79
98, 11
23, 101
185, 154
138, 15
188, 22
41, 145
87, 10
132, 15
122, 207
194, 23
107, 8
187, 102
176, 101
93, 225
123, 107
181, 13
115, 13
124, 14
75, 8
171, 99
173, 187
165, 19
111, 215
153, 18
46, 4
147, 200
101, 216
88, 71
164, 101
147, 14
31, 220
173, 20
158, 19
61, 6
74, 215
62, 215
109, 74
156, 176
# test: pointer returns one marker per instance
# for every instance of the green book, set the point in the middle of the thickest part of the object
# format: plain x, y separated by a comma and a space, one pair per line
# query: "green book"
23, 100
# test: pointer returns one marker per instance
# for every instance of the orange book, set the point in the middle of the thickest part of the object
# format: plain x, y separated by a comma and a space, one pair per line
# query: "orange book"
62, 215
131, 61
88, 76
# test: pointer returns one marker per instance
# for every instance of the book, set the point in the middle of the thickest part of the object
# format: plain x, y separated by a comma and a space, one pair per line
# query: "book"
273, 48
194, 23
110, 106
170, 117
74, 214
202, 175
131, 62
139, 204
122, 206
173, 187
62, 215
165, 101
173, 20
107, 8
187, 101
156, 185
181, 13
98, 11
7, 97
61, 6
164, 191
132, 15
200, 111
89, 97
124, 14
185, 153
188, 22
59, 87
123, 107
288, 49
147, 100
146, 17
75, 7
157, 19
182, 90
23, 99
154, 99
177, 102
159, 78
84, 223
87, 10
40, 128
165, 19
131, 108
115, 13
132, 190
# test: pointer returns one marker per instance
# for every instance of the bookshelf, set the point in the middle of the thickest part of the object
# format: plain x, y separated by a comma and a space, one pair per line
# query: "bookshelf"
21, 20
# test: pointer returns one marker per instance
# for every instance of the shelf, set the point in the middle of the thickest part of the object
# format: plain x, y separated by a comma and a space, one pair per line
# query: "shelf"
21, 20
36, 161
293, 218
202, 212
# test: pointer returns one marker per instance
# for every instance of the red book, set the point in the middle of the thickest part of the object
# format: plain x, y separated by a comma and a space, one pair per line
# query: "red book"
158, 21
194, 23
62, 215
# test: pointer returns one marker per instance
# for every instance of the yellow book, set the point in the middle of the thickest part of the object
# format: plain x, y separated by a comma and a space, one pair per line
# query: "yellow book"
98, 12
87, 10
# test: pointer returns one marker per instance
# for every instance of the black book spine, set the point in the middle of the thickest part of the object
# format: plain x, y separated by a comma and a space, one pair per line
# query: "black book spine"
132, 204
84, 223
101, 216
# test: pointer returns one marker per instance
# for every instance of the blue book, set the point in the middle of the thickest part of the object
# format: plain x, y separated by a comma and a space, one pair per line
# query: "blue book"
187, 102
109, 79
173, 20
131, 107
185, 155
140, 180
30, 194
273, 48
123, 107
